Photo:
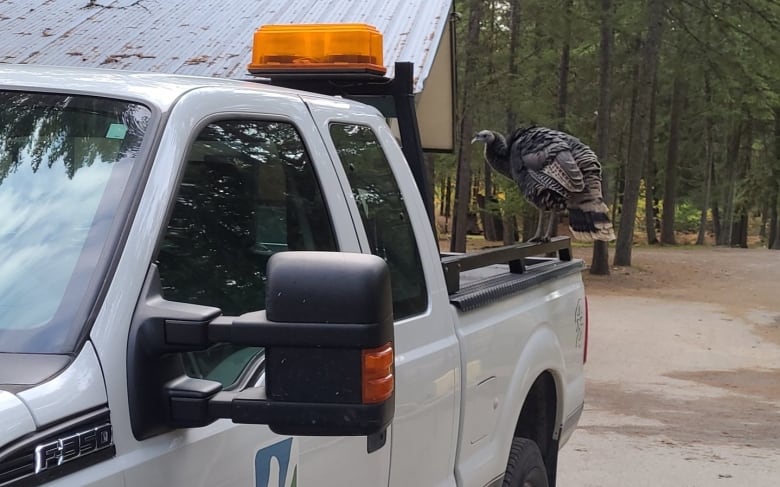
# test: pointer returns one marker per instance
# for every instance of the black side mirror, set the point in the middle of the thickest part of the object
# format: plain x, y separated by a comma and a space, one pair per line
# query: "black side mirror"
328, 337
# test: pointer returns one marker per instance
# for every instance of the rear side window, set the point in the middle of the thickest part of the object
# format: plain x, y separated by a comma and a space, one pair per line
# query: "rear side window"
384, 214
248, 191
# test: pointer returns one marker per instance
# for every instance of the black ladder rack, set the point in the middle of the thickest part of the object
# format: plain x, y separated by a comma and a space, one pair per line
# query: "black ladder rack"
514, 255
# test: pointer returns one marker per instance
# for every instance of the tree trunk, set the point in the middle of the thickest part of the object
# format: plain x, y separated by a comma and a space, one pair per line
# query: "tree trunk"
670, 180
491, 217
650, 172
442, 190
728, 232
740, 234
563, 81
563, 68
463, 181
717, 228
741, 204
600, 260
743, 234
774, 235
475, 185
509, 229
732, 158
462, 190
709, 160
620, 180
742, 159
649, 59
617, 193
447, 203
710, 163
430, 166
508, 223
448, 197
530, 217
774, 225
486, 210
514, 44
764, 221
774, 239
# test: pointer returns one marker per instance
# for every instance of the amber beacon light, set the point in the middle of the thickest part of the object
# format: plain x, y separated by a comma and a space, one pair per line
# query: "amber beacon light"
331, 48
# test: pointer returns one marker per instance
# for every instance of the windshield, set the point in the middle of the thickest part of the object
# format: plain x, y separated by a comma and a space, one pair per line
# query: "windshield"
64, 164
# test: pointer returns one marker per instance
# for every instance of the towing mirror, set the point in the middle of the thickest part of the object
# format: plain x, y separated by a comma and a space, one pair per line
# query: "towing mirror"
328, 336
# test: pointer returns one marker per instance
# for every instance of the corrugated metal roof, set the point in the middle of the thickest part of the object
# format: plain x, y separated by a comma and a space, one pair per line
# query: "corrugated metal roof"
201, 37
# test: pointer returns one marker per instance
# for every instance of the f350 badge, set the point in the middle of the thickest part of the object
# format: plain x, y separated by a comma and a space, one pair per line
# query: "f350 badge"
71, 447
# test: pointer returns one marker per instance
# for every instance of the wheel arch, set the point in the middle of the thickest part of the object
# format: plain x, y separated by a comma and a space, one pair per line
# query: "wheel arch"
539, 420
537, 410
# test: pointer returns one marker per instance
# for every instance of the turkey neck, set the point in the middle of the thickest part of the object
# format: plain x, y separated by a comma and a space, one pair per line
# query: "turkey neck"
497, 155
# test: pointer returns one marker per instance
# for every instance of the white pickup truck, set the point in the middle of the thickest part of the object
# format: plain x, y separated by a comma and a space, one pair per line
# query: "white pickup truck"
207, 282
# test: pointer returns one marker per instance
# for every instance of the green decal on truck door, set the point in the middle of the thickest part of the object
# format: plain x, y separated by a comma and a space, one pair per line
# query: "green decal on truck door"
286, 455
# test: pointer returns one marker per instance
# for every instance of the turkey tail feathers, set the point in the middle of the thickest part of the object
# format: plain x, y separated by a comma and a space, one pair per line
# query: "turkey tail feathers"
590, 225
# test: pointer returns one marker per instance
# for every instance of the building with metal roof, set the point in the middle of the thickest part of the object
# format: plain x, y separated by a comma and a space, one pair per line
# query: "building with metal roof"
214, 37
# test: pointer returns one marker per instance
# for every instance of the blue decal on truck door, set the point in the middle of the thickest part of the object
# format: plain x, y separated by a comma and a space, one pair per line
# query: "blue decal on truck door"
286, 457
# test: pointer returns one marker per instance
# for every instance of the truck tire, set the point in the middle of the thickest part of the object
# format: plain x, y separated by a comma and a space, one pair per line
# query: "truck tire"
525, 467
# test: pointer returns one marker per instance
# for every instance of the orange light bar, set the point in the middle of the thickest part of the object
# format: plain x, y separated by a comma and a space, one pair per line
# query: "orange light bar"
378, 378
343, 48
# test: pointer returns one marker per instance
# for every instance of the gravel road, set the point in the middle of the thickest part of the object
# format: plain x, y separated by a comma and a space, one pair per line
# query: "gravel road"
683, 380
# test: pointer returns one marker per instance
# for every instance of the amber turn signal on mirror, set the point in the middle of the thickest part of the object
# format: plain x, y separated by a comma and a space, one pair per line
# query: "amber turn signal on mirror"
378, 378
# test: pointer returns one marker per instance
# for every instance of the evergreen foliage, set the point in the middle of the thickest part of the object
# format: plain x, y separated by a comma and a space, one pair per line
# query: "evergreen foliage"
715, 92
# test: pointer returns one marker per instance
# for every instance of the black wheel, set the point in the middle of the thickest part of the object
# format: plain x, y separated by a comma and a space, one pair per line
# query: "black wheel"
525, 467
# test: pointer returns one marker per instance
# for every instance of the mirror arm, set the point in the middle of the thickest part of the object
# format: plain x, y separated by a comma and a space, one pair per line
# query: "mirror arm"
187, 335
255, 329
220, 330
197, 402
188, 401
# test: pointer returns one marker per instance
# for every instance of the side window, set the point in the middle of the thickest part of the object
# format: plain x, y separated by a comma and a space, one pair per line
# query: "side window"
248, 191
383, 213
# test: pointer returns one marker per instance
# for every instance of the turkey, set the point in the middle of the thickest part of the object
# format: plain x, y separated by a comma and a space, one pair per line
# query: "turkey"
554, 171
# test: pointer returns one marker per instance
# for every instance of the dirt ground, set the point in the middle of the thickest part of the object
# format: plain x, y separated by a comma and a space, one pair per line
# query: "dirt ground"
683, 379
746, 283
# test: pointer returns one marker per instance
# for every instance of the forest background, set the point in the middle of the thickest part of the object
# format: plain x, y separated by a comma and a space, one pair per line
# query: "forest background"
679, 98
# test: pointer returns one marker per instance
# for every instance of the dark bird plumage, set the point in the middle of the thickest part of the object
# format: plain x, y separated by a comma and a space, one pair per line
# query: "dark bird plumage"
554, 171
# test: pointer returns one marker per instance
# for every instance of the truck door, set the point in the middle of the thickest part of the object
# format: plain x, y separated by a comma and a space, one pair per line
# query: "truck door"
392, 224
250, 185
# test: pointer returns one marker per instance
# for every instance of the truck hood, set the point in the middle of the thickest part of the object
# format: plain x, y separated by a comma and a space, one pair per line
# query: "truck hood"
29, 401
17, 420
